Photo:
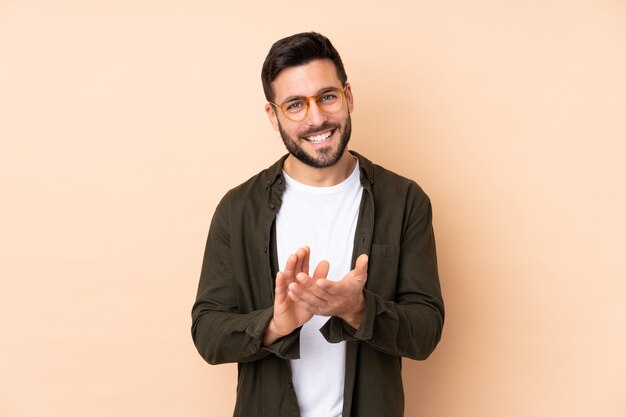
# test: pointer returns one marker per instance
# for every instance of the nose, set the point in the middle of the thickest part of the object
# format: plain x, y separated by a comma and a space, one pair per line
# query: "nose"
316, 116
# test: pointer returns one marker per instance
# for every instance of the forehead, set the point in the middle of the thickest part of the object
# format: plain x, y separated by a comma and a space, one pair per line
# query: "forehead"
305, 80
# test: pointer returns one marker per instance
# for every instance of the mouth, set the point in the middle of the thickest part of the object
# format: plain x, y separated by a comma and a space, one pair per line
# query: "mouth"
320, 137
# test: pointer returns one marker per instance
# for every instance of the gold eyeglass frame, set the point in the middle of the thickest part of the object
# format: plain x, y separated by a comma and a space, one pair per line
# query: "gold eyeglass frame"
340, 90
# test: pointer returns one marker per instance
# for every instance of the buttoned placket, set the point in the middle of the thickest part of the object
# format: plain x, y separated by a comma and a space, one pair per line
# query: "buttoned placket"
275, 187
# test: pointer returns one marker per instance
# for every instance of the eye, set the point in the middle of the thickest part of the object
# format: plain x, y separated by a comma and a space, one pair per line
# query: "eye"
328, 97
294, 106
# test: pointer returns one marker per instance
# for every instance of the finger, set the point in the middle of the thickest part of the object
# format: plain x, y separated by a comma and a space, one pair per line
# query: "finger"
305, 298
280, 292
304, 280
321, 270
326, 288
290, 268
295, 298
307, 257
310, 293
300, 254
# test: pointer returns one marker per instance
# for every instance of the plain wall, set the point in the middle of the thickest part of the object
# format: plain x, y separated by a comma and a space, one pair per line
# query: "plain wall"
122, 123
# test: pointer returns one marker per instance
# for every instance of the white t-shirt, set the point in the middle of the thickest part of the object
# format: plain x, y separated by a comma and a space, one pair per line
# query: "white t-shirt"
323, 218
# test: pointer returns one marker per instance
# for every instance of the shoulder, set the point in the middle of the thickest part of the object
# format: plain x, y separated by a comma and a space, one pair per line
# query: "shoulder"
386, 183
254, 190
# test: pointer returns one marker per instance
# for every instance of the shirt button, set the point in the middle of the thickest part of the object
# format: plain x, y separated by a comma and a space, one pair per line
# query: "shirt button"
290, 385
272, 206
265, 249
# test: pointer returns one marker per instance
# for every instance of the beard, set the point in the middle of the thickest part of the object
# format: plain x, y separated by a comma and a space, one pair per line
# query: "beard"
324, 157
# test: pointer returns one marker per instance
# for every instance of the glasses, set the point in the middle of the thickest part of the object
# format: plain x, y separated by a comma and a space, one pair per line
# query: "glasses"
297, 109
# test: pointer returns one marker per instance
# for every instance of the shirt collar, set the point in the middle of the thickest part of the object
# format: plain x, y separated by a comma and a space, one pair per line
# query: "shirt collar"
367, 168
275, 172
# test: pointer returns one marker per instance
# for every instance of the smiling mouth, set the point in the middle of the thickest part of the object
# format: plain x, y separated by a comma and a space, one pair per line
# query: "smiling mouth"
319, 138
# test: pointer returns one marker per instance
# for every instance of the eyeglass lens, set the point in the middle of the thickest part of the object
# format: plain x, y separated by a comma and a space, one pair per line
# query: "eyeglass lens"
328, 101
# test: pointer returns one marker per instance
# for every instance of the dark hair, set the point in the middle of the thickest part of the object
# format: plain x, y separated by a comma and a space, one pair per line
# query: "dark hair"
295, 50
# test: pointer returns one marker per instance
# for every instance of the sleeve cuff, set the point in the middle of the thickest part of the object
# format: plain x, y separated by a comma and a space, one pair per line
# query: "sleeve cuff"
287, 347
336, 330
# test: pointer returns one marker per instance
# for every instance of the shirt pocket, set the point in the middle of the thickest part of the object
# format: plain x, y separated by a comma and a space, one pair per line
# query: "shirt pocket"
382, 270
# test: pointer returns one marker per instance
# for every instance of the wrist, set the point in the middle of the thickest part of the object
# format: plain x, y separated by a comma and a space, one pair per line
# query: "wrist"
272, 334
355, 318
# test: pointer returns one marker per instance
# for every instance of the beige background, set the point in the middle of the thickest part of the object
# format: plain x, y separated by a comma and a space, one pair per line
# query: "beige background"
122, 123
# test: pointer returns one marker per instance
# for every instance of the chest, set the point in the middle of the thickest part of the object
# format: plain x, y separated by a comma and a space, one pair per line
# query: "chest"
324, 222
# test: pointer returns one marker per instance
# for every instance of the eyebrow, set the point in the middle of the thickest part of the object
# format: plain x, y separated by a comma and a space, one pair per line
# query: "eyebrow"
320, 91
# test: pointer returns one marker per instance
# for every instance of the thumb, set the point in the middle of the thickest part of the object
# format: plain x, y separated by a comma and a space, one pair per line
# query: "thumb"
360, 268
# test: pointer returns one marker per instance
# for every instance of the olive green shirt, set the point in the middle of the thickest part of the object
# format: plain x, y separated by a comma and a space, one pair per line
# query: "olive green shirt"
404, 310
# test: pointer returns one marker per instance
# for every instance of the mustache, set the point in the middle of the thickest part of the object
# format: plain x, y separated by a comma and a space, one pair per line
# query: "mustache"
319, 129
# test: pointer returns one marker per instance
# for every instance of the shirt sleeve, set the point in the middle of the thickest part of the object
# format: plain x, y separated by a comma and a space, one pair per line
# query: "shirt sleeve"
221, 331
409, 323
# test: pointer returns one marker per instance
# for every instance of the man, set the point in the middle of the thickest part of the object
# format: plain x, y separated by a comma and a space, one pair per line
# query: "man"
326, 343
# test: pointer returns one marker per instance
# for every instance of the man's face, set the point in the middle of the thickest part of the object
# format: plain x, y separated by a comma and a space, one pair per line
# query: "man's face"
321, 138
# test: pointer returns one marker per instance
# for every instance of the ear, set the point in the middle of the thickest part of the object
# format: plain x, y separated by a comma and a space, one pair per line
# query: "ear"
271, 114
349, 97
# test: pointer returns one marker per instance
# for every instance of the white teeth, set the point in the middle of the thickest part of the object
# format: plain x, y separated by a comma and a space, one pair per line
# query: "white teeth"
319, 138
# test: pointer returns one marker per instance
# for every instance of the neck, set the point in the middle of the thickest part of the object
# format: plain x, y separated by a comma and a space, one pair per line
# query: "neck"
320, 177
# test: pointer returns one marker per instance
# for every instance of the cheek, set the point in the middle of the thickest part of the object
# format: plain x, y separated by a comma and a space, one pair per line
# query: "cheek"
294, 130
